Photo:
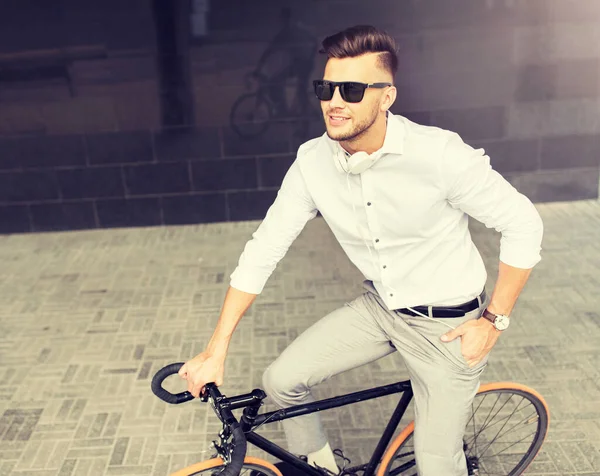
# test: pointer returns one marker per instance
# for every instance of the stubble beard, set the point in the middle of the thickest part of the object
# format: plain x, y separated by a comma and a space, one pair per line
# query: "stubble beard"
360, 129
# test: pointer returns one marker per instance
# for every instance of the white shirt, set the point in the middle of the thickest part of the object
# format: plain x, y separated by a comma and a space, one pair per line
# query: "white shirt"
420, 191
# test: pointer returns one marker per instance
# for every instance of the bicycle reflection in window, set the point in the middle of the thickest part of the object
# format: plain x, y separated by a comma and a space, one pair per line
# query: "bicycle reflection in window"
280, 81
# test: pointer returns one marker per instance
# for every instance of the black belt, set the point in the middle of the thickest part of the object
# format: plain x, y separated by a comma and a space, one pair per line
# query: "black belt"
446, 311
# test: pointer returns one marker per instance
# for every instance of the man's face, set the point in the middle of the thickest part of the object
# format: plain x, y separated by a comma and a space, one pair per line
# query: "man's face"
347, 121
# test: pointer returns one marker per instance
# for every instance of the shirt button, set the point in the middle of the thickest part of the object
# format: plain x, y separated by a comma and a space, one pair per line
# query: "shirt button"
376, 240
369, 204
391, 295
384, 266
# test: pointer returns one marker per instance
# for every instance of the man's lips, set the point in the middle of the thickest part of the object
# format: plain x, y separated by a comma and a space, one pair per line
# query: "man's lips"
337, 119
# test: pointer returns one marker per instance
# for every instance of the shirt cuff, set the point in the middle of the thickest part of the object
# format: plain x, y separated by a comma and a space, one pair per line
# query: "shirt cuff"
245, 283
519, 260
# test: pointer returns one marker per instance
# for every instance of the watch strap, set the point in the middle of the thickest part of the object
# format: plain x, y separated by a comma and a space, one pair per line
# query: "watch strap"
489, 316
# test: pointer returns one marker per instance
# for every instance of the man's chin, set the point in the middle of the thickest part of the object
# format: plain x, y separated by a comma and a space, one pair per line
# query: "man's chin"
338, 135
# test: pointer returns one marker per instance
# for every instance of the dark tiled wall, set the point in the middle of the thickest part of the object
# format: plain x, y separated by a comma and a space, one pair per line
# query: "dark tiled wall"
189, 175
121, 179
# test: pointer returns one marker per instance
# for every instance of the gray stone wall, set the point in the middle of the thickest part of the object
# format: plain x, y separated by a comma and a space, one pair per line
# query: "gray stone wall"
83, 143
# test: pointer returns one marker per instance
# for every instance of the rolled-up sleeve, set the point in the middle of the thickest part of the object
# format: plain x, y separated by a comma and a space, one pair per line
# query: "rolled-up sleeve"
475, 188
292, 209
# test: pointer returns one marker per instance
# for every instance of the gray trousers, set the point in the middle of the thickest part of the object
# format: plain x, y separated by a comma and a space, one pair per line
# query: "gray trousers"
360, 332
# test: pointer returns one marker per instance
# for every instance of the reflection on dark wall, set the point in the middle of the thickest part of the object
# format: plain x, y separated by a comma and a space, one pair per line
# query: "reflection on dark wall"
106, 50
157, 112
281, 80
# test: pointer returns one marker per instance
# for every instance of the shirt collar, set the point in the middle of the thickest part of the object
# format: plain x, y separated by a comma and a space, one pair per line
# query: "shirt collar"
394, 135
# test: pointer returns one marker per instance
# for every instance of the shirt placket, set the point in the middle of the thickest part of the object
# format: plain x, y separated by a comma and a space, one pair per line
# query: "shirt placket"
372, 211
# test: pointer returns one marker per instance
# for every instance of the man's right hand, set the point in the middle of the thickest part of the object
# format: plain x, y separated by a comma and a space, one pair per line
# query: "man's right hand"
209, 366
202, 369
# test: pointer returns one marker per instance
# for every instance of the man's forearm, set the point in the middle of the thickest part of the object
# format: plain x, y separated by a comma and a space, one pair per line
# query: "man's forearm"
509, 285
234, 307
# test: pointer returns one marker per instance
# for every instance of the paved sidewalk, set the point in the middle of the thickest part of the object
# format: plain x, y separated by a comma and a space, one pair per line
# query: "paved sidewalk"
87, 317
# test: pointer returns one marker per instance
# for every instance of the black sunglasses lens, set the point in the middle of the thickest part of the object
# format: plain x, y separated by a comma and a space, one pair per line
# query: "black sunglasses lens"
352, 92
323, 90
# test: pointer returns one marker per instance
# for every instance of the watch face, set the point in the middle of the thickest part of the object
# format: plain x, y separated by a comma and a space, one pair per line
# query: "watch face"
501, 322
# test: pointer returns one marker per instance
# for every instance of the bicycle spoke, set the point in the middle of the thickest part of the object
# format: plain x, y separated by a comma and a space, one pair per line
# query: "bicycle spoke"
515, 426
492, 409
490, 425
473, 418
487, 418
472, 440
501, 420
510, 446
503, 428
478, 406
484, 426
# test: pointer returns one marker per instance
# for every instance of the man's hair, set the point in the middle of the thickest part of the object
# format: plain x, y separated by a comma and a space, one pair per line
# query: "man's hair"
359, 40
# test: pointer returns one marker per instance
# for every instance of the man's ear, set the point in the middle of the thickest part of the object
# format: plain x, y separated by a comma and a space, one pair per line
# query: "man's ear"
388, 98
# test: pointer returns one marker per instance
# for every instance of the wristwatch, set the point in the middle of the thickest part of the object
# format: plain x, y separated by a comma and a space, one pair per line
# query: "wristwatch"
500, 321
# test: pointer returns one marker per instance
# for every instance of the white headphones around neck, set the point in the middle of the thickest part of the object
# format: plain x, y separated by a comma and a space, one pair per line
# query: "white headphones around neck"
356, 163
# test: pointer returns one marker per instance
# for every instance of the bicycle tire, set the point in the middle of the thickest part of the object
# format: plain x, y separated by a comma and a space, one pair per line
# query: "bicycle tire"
400, 452
244, 123
252, 467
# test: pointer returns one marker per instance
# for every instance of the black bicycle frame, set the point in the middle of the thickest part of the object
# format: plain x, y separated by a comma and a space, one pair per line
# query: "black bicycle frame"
251, 420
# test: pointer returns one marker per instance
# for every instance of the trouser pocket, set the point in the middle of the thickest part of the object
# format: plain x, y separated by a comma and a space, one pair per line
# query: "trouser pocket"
456, 346
428, 333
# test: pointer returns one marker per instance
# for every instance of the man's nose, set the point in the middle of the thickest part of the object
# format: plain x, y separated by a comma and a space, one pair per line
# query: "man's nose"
336, 100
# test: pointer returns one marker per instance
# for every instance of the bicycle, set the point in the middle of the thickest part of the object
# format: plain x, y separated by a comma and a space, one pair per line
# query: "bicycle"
253, 112
388, 459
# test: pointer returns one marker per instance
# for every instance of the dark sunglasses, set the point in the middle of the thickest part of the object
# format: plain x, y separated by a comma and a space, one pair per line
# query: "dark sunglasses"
350, 91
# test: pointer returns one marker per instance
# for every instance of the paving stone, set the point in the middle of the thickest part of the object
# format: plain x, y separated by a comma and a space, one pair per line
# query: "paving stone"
88, 317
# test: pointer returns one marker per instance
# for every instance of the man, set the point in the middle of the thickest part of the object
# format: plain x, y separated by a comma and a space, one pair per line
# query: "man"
396, 195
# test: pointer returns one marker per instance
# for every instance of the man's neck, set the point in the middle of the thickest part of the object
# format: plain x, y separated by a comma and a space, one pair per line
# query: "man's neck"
369, 142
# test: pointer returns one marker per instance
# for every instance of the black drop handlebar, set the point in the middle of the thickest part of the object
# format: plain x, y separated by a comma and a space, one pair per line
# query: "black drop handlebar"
215, 397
